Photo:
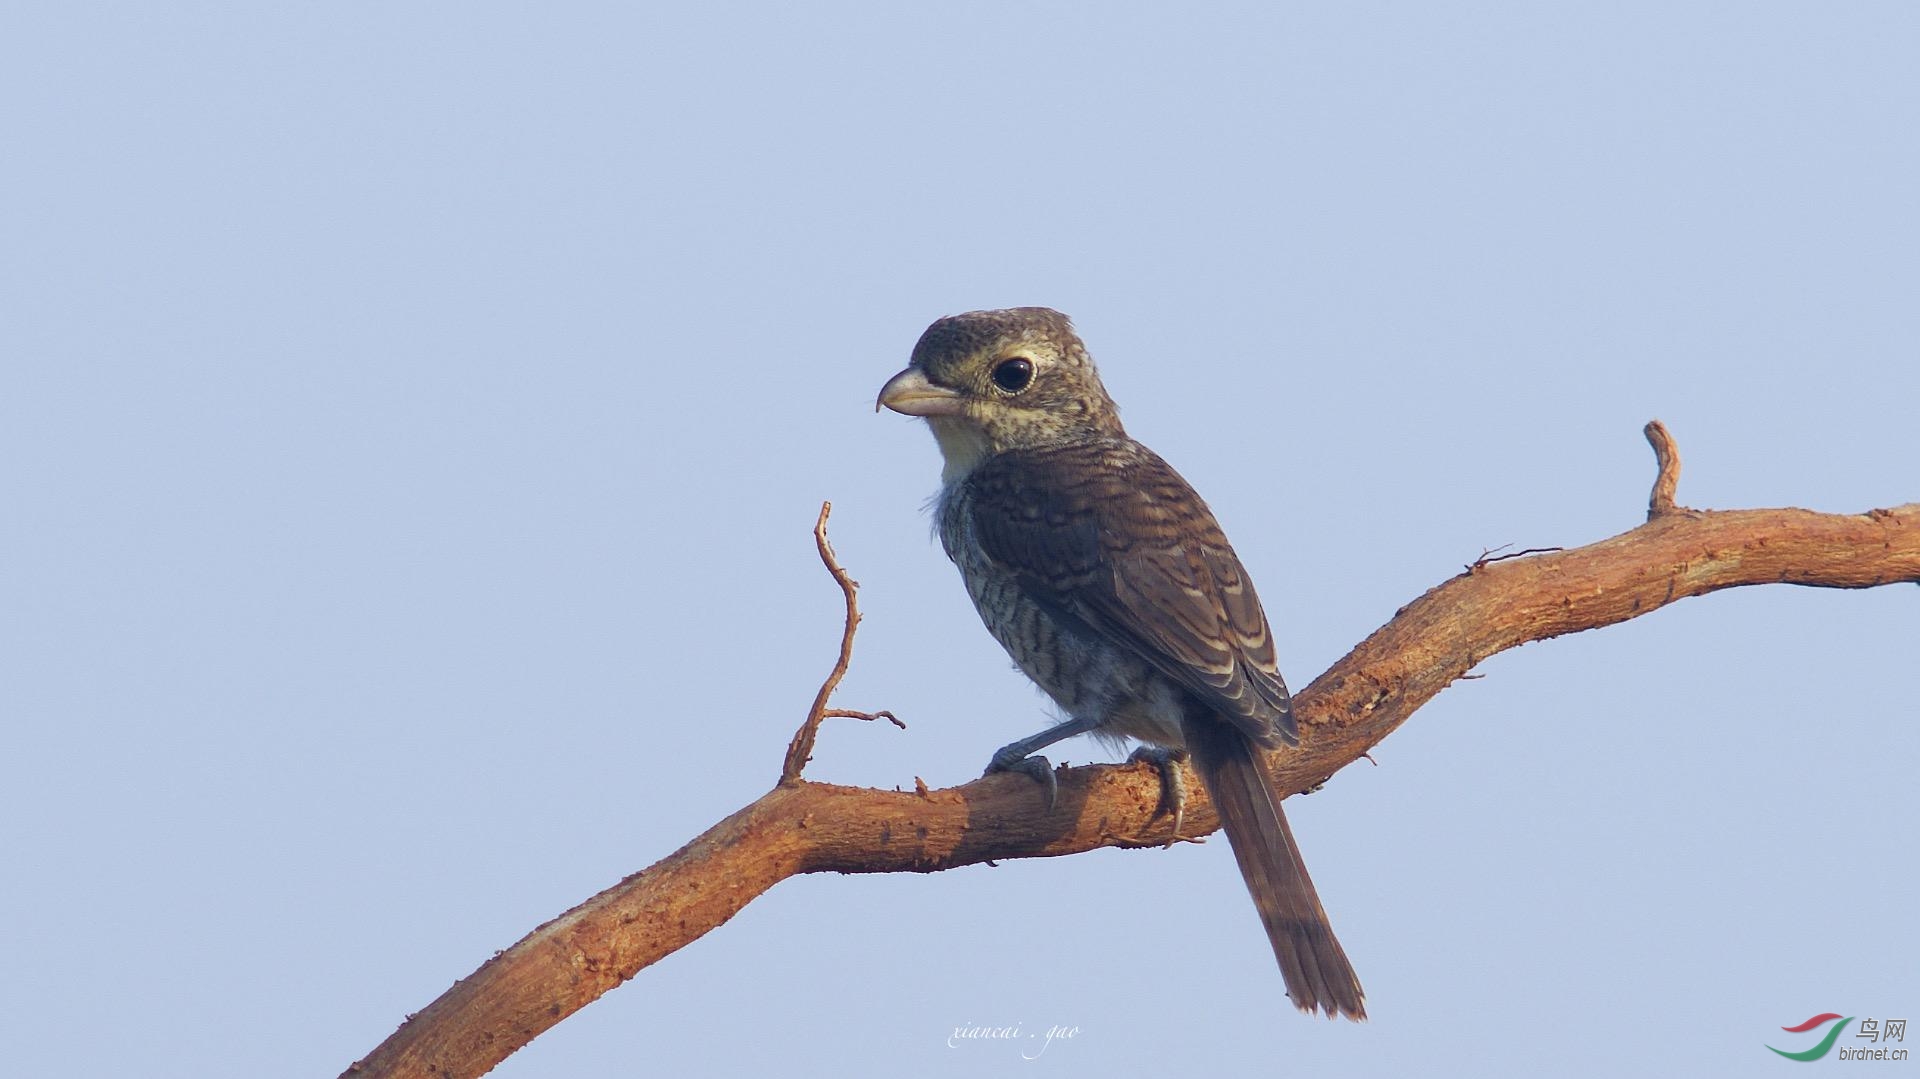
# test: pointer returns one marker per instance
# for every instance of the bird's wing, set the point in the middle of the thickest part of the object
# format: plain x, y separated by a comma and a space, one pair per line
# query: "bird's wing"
1110, 535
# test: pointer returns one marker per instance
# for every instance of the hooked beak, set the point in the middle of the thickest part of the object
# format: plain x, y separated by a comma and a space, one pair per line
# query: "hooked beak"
910, 394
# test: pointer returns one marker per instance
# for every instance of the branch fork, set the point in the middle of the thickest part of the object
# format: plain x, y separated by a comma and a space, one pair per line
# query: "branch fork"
800, 750
805, 827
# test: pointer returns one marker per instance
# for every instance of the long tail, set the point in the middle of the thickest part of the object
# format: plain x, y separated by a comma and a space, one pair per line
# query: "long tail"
1318, 976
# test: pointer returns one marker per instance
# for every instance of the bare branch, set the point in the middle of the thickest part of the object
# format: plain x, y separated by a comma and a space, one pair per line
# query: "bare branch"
800, 750
1667, 456
804, 827
848, 713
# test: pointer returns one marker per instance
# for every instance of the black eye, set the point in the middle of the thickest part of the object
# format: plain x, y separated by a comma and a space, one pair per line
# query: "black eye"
1013, 375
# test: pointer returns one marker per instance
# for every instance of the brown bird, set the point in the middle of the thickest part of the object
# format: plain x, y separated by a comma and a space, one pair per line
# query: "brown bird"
1106, 578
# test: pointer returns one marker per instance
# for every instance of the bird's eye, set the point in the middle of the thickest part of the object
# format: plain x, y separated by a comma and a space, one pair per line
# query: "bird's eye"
1013, 375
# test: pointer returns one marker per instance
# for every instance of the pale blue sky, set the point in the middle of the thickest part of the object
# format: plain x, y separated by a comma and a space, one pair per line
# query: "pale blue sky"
415, 416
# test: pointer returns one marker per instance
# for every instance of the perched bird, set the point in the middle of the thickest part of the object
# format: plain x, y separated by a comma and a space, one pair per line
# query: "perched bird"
1106, 578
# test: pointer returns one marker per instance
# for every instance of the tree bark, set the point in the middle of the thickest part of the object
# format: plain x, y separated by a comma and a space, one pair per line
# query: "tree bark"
806, 827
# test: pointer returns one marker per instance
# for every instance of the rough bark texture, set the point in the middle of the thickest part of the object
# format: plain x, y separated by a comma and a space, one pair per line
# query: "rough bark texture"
804, 827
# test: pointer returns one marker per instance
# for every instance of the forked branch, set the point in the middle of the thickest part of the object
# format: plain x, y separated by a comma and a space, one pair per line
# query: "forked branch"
805, 827
800, 750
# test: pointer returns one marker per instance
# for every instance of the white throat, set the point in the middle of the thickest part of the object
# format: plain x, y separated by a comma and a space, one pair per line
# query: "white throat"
962, 446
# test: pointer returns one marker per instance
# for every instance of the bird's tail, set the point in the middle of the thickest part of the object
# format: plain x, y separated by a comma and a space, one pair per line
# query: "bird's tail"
1319, 978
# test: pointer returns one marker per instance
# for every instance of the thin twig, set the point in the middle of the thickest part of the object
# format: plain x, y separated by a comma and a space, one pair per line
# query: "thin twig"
848, 713
800, 750
1667, 455
1487, 557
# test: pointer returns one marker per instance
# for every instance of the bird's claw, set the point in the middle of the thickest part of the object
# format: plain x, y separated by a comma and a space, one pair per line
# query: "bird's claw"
1173, 784
1035, 765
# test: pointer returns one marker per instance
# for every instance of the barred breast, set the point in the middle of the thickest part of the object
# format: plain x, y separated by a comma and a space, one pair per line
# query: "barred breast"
1085, 674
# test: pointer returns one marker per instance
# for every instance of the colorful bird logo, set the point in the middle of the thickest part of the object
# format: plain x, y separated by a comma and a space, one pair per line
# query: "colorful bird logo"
1825, 1044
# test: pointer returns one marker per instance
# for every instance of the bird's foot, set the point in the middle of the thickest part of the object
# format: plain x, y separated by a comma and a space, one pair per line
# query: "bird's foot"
1173, 784
1014, 758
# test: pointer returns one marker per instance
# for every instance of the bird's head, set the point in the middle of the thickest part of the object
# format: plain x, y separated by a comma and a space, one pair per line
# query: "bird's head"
992, 381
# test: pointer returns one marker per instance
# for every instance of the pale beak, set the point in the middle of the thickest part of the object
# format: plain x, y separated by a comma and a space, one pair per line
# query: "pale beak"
910, 394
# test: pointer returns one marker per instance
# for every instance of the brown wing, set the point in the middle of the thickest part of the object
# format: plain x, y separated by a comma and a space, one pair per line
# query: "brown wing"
1108, 534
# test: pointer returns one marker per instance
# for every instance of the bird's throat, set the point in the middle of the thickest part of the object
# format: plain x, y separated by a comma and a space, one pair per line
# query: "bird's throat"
963, 445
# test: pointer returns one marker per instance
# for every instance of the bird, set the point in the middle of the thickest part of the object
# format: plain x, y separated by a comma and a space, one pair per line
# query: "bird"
1110, 584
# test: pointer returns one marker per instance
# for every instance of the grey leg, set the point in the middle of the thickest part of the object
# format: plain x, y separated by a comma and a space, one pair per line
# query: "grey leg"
1020, 756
